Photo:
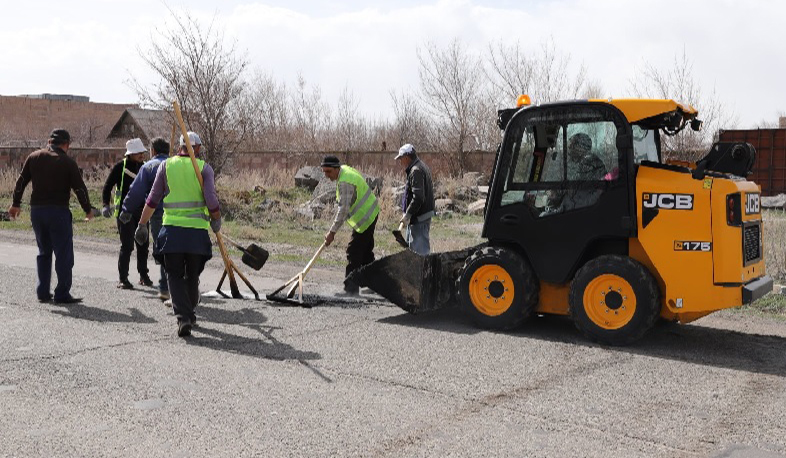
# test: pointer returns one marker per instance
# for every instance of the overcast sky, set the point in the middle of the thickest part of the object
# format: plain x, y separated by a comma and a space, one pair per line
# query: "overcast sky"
90, 47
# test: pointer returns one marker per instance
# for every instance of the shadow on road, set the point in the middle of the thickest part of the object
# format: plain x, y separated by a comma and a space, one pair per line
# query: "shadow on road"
265, 346
84, 312
691, 343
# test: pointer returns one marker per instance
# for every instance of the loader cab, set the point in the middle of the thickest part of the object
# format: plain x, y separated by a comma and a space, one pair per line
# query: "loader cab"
563, 184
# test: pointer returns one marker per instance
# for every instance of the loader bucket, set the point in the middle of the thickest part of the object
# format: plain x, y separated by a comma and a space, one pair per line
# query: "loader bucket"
413, 282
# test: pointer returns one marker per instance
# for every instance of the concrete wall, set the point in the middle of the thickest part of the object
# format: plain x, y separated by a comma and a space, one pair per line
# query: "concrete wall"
370, 162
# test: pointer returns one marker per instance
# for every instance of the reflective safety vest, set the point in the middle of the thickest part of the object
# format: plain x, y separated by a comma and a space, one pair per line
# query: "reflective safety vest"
184, 206
119, 190
365, 208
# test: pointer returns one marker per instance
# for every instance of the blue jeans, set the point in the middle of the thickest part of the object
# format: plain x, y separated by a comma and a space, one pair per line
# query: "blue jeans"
54, 233
155, 228
418, 237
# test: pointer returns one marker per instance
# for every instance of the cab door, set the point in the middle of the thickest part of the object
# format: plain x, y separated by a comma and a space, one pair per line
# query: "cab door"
563, 186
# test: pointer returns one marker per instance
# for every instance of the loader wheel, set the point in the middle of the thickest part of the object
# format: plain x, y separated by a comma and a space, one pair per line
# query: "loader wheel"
614, 300
497, 288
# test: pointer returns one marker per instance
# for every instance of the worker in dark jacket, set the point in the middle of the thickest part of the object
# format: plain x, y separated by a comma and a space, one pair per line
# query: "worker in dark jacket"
418, 200
54, 175
135, 201
120, 179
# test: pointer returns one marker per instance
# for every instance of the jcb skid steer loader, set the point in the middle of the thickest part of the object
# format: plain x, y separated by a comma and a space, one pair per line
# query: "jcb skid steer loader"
584, 219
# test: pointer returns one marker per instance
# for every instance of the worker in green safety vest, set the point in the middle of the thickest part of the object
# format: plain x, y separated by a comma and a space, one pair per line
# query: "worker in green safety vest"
358, 206
119, 180
190, 210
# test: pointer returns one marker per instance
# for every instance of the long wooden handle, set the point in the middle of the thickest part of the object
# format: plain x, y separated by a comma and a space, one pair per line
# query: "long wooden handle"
190, 148
311, 262
173, 139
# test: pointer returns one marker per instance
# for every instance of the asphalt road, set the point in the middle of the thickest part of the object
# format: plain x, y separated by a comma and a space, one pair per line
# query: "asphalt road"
109, 377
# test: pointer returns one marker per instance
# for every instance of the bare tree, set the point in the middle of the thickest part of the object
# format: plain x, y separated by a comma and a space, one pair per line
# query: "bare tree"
410, 124
546, 75
268, 104
678, 83
311, 116
776, 123
206, 76
350, 127
451, 81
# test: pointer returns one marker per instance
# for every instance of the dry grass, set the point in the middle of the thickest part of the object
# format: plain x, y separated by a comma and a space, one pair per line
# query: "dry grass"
294, 237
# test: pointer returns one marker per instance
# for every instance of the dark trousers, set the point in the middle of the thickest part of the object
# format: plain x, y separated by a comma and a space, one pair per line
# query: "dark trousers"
127, 244
183, 270
155, 228
360, 251
54, 233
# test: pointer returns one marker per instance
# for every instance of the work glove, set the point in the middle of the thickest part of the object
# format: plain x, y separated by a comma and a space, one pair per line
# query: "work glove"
405, 219
106, 212
141, 234
215, 224
124, 217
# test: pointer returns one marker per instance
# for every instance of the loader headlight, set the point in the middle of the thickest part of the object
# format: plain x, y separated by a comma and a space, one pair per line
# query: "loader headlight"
695, 124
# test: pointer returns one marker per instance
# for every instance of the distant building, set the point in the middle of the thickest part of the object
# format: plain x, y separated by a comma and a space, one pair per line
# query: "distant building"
141, 123
65, 97
28, 120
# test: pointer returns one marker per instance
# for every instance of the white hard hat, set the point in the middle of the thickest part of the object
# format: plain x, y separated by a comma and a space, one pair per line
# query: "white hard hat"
193, 138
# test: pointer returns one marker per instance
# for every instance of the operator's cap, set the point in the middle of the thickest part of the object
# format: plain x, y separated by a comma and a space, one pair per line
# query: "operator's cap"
330, 161
193, 138
406, 150
135, 146
60, 135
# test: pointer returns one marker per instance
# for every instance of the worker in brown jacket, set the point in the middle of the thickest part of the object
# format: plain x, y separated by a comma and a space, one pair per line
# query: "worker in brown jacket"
54, 175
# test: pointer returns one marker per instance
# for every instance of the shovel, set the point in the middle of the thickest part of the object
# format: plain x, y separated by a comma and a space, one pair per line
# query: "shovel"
254, 256
400, 238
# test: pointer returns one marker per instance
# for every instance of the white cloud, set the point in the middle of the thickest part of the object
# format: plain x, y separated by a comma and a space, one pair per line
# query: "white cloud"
735, 46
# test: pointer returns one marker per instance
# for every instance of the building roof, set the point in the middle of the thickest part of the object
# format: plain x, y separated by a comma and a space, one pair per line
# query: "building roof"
143, 124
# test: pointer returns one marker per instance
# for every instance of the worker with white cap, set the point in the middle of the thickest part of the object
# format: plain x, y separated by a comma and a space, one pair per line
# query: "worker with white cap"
120, 179
418, 200
184, 241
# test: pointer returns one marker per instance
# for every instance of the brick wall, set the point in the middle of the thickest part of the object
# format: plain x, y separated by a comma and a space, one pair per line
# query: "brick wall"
25, 119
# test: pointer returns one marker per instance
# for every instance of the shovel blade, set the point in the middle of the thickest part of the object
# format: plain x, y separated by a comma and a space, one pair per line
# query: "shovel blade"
400, 238
255, 256
413, 282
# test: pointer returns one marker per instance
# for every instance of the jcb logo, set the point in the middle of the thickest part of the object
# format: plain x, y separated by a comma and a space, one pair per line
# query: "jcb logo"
668, 201
752, 203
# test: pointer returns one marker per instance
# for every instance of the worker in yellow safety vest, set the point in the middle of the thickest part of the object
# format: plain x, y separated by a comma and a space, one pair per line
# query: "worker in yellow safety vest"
184, 241
358, 206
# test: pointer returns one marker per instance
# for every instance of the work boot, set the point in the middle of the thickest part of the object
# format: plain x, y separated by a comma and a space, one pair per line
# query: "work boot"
125, 284
144, 280
163, 295
184, 329
168, 303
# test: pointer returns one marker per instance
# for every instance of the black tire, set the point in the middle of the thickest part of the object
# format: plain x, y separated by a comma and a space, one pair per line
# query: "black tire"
614, 300
484, 291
